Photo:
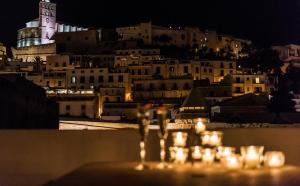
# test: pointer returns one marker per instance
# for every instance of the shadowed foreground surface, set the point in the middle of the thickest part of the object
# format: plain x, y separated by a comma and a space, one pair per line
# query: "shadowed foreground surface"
124, 174
35, 157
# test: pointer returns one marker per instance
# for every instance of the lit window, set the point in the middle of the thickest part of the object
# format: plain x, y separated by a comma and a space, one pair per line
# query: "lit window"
73, 80
257, 81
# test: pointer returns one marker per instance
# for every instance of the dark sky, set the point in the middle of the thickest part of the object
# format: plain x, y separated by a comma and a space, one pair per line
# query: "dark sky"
266, 22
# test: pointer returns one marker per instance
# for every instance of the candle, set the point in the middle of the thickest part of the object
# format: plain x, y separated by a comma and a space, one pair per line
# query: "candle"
232, 162
181, 155
252, 156
179, 139
172, 153
196, 152
208, 155
223, 152
200, 127
274, 159
212, 138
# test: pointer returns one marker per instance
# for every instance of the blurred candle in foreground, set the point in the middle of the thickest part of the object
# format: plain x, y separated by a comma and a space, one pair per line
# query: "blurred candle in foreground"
212, 138
274, 159
181, 155
208, 155
200, 126
223, 152
179, 139
232, 162
252, 156
196, 152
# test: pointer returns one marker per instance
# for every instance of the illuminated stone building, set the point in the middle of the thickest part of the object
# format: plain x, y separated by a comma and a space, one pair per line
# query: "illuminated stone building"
2, 54
247, 83
41, 30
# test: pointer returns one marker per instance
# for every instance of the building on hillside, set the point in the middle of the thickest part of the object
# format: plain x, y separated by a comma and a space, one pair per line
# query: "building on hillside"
288, 54
249, 108
84, 104
246, 83
181, 37
194, 106
162, 89
42, 30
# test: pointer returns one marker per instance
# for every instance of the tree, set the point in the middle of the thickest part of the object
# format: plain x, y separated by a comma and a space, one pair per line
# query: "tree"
281, 100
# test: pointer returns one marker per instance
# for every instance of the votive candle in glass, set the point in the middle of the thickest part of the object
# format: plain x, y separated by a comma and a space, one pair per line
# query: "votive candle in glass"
252, 156
179, 139
224, 152
200, 126
212, 138
274, 159
232, 162
208, 155
172, 151
196, 152
181, 155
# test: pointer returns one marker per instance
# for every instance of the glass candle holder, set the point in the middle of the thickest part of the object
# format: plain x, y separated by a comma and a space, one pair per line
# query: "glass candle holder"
252, 156
181, 155
172, 151
200, 126
223, 152
212, 138
232, 162
196, 152
208, 155
274, 159
179, 139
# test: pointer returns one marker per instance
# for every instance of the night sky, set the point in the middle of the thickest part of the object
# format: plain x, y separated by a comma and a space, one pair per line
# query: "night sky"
266, 22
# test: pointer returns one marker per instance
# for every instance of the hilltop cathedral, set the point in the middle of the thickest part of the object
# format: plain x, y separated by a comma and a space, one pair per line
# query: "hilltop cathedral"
40, 31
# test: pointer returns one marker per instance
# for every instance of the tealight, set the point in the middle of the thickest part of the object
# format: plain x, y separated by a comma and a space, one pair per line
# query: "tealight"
196, 152
181, 155
179, 139
274, 159
252, 156
212, 138
223, 152
208, 155
172, 151
232, 162
200, 126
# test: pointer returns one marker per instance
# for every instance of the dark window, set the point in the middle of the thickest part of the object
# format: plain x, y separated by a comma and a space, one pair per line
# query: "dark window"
146, 72
59, 83
68, 107
64, 64
139, 72
210, 70
100, 79
205, 70
92, 79
56, 64
222, 65
163, 86
171, 69
157, 70
230, 65
186, 69
222, 73
83, 107
110, 79
82, 79
197, 70
238, 79
120, 79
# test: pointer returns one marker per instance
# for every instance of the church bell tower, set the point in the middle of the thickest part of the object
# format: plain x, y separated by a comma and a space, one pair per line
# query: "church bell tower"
47, 19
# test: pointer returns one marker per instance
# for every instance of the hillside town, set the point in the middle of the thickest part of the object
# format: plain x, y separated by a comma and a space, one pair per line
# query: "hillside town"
105, 74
